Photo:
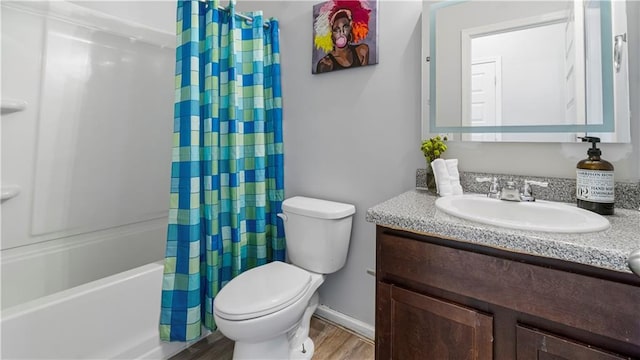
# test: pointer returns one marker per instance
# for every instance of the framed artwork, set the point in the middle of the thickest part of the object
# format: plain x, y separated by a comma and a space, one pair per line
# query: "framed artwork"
345, 35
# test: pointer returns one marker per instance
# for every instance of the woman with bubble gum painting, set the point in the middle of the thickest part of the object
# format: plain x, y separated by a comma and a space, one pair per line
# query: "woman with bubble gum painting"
340, 28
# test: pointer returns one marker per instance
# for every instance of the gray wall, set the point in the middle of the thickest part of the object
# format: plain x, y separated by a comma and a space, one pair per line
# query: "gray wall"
351, 135
354, 135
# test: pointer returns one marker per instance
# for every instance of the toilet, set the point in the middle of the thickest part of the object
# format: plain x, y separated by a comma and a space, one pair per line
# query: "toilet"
267, 310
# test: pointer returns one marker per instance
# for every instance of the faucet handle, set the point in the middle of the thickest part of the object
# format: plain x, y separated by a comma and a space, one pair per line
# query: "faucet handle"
536, 183
527, 193
494, 189
483, 179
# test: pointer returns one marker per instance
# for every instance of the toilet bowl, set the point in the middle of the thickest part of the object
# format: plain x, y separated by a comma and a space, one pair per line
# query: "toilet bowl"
267, 310
267, 328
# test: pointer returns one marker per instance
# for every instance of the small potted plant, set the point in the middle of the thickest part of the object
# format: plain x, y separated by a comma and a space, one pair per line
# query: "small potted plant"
432, 149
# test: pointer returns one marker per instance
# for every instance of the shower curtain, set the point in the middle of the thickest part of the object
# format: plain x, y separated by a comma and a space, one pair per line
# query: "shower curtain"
227, 167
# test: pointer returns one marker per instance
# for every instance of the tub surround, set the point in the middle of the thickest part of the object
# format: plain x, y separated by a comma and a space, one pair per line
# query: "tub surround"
415, 211
627, 194
79, 218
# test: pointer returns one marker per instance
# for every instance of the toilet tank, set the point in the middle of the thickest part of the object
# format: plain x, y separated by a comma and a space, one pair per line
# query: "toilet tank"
317, 233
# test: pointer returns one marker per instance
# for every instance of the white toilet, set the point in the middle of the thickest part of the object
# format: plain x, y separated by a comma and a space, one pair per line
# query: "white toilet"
267, 309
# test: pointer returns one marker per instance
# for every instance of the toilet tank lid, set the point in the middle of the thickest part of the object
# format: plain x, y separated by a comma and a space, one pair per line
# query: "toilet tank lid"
317, 208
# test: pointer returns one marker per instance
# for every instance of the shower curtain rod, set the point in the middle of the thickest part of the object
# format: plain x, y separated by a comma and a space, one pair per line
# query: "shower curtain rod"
245, 17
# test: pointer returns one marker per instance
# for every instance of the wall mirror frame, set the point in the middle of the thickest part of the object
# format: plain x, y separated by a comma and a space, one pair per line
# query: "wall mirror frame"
600, 102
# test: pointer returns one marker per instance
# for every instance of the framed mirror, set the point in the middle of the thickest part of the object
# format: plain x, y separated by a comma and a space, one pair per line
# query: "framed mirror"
526, 70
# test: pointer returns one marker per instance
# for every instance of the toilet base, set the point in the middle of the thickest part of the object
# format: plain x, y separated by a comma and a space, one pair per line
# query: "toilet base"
304, 351
273, 349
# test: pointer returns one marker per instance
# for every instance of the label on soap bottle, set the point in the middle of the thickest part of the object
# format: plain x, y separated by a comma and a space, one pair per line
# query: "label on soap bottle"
595, 186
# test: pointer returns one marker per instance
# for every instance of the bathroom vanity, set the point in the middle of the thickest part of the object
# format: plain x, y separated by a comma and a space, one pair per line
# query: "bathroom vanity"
448, 288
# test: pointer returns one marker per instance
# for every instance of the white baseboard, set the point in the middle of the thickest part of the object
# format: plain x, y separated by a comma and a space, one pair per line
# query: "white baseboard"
348, 322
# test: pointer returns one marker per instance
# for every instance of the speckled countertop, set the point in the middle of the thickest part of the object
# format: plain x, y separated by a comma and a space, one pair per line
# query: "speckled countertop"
415, 210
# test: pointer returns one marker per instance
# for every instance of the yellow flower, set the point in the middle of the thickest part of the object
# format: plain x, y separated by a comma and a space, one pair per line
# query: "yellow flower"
433, 148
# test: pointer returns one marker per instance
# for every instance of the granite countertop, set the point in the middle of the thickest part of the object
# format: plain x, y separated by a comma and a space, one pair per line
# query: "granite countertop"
415, 210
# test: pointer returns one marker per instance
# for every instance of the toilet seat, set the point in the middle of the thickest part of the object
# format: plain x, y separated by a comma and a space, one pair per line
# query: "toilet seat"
261, 291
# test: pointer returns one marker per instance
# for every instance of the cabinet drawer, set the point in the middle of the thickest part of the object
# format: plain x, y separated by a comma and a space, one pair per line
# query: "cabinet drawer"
601, 307
534, 344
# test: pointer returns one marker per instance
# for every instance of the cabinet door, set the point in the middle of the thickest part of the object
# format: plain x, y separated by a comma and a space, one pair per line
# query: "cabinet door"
415, 326
537, 345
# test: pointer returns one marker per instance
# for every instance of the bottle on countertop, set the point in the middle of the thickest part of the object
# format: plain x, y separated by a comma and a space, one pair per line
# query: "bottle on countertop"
594, 181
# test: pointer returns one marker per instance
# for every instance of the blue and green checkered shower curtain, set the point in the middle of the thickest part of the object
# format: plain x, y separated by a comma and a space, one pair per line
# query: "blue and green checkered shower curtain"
227, 167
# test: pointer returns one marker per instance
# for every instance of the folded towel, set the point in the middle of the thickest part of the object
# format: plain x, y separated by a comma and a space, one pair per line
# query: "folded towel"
447, 177
440, 172
454, 176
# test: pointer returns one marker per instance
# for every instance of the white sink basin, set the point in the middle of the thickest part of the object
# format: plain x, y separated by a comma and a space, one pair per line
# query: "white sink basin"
536, 216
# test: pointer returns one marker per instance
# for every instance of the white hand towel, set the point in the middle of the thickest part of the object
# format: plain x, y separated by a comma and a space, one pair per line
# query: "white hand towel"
454, 176
440, 172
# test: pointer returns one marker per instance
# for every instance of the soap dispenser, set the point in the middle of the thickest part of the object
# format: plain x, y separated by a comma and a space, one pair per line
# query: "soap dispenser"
594, 181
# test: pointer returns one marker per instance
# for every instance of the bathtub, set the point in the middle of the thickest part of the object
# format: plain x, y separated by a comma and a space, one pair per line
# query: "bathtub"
112, 318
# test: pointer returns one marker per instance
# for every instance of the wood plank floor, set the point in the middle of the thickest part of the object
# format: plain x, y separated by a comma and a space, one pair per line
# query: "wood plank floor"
332, 342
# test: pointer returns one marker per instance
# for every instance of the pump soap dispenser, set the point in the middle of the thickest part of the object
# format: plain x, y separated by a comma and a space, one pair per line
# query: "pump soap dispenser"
594, 181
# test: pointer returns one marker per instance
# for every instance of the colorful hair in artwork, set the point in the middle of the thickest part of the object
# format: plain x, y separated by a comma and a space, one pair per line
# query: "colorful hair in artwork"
356, 11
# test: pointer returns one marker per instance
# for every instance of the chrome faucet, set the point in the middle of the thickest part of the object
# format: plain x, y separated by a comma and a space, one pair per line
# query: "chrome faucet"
510, 191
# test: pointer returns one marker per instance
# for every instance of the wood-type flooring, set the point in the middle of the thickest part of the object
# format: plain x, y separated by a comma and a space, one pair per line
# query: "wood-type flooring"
332, 342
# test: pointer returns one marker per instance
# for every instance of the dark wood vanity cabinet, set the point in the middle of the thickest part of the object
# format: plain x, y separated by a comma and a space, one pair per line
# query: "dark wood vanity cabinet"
444, 299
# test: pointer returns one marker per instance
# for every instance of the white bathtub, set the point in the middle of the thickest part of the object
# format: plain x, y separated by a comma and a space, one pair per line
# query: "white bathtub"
112, 318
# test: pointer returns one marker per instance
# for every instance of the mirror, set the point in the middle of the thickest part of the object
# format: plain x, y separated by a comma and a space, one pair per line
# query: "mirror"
526, 70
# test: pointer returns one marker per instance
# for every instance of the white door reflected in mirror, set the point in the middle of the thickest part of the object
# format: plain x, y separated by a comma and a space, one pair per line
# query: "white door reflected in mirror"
552, 76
